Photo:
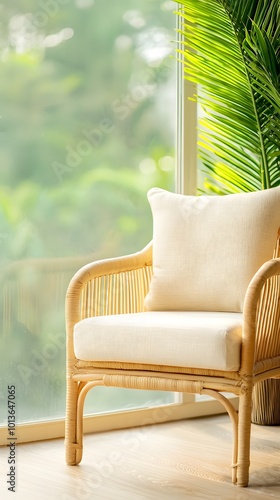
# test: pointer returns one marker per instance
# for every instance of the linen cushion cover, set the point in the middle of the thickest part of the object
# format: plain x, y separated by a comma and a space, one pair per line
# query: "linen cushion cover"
210, 340
206, 249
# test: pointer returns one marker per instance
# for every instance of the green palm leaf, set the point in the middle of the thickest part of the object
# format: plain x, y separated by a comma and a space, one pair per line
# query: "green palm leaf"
231, 52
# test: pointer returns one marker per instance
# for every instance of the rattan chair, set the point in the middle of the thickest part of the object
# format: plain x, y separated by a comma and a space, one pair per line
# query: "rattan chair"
118, 287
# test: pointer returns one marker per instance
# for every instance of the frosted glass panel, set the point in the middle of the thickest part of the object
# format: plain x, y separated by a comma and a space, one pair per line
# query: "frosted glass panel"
87, 94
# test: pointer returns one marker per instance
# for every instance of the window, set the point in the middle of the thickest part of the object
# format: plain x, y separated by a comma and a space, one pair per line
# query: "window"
87, 126
88, 104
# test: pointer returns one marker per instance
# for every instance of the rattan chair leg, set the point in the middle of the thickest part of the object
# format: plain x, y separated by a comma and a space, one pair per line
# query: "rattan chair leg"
73, 455
234, 420
244, 435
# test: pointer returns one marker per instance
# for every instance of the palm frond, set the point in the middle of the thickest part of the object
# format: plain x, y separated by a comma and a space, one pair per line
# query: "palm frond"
232, 53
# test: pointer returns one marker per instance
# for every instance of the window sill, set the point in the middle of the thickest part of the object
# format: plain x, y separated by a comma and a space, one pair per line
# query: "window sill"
41, 431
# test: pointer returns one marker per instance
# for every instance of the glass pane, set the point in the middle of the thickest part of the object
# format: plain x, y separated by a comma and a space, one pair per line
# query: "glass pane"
87, 127
106, 399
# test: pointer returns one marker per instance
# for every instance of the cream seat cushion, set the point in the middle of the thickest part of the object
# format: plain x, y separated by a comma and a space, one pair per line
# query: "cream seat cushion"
206, 249
210, 340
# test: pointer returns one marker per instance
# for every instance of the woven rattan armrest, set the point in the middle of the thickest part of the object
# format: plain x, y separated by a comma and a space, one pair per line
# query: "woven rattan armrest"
110, 286
261, 319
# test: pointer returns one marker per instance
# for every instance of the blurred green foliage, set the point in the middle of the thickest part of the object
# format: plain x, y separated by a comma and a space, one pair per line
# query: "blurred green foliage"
84, 98
87, 119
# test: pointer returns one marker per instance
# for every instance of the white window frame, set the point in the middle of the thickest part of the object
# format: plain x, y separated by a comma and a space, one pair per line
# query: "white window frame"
186, 133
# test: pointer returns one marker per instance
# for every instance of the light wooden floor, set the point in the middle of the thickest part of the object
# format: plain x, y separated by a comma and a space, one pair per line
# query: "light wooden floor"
184, 460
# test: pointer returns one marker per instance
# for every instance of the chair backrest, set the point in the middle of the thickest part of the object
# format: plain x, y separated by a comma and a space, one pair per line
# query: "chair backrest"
206, 249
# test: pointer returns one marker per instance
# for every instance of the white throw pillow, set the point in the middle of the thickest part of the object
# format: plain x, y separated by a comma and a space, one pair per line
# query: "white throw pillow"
206, 249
